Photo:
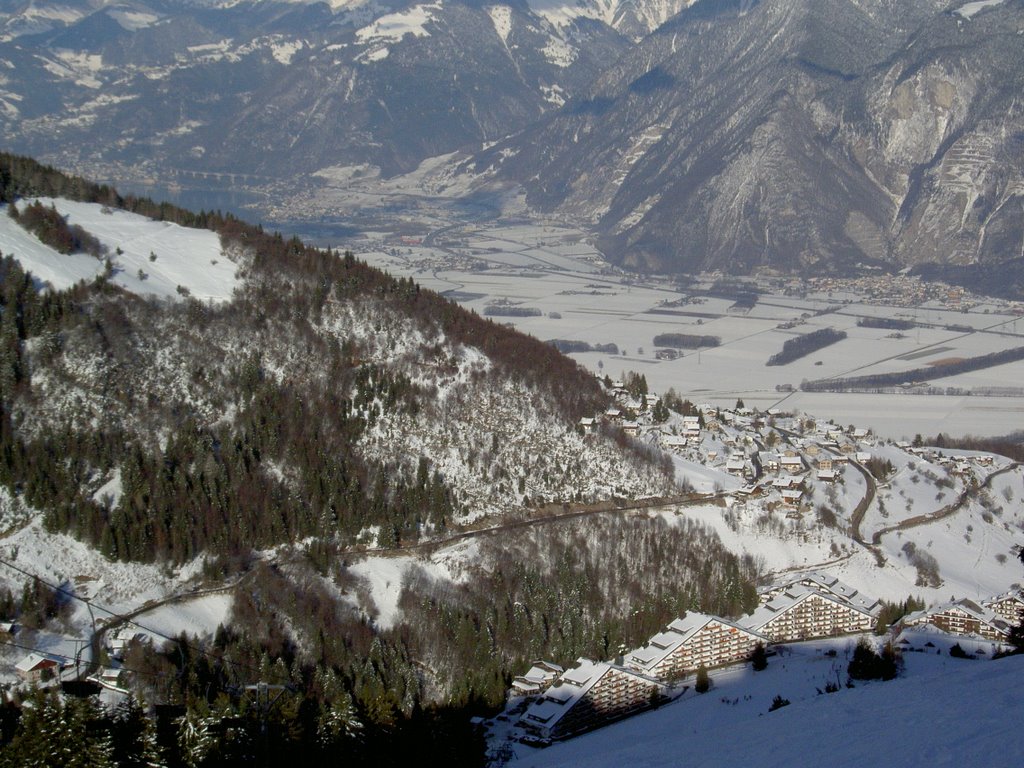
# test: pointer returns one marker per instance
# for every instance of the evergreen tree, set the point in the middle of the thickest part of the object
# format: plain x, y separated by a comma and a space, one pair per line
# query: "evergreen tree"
778, 703
134, 737
758, 658
703, 681
337, 720
196, 738
659, 413
868, 664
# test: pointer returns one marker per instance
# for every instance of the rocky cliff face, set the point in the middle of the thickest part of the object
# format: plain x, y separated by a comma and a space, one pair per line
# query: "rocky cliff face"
796, 135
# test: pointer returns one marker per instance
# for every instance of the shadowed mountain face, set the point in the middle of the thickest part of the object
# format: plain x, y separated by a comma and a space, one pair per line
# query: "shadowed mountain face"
795, 134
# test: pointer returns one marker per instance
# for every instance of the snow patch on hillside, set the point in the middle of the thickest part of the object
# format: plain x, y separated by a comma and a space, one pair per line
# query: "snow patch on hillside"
110, 492
394, 26
156, 257
501, 17
115, 587
200, 616
133, 19
284, 52
70, 67
385, 578
559, 52
970, 10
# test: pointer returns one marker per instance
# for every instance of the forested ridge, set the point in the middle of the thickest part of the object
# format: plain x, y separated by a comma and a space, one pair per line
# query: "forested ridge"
180, 491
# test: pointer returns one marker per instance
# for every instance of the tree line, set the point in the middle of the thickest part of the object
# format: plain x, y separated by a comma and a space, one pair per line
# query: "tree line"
937, 371
801, 346
685, 340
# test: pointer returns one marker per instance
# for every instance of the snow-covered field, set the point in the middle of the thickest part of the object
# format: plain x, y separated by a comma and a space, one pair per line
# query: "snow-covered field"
148, 257
198, 616
941, 711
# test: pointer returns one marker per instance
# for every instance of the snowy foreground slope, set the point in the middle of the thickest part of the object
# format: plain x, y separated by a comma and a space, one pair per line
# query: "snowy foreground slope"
942, 712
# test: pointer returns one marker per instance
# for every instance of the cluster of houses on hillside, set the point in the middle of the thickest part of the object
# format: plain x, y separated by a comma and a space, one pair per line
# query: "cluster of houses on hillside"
40, 667
780, 458
563, 703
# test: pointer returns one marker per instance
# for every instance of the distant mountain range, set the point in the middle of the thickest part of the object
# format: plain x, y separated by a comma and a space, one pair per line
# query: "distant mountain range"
796, 135
277, 88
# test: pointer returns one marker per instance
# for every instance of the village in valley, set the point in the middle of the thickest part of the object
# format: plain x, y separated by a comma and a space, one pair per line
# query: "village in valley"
773, 464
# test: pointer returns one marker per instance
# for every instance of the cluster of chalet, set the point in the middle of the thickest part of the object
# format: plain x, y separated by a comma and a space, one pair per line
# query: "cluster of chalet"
957, 463
37, 667
633, 416
991, 619
737, 442
594, 693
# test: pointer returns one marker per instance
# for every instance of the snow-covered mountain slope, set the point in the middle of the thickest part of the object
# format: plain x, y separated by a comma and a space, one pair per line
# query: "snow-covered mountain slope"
275, 89
494, 442
635, 18
148, 258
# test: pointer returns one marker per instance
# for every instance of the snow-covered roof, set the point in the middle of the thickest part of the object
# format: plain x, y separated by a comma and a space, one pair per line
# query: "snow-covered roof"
679, 632
540, 673
981, 613
824, 583
567, 690
573, 685
665, 639
789, 599
35, 661
1013, 594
